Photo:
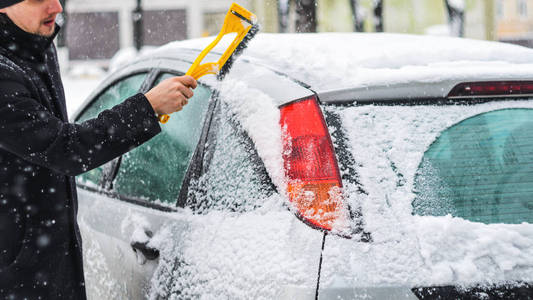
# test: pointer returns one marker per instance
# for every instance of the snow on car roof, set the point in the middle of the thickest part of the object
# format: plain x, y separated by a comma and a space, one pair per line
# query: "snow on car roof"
328, 61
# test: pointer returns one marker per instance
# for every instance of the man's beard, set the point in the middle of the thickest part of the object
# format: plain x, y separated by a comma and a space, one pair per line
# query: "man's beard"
47, 35
51, 19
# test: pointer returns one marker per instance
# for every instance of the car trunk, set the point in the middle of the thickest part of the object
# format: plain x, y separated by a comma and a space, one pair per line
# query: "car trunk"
441, 196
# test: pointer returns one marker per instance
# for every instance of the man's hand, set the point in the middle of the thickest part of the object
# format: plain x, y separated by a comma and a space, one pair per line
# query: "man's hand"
171, 95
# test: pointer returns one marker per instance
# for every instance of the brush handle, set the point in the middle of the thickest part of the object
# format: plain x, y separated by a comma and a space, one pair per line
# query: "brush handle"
233, 23
196, 71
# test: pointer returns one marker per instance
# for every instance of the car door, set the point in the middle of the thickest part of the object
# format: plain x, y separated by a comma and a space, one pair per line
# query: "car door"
244, 243
126, 202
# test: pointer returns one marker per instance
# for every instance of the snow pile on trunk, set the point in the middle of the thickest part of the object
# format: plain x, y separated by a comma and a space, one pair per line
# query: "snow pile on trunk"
388, 143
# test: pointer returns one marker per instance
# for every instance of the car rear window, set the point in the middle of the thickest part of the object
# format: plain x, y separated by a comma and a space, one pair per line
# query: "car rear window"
391, 145
480, 169
469, 161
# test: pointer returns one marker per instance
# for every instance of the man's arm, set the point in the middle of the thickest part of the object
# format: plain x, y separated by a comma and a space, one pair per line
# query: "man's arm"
28, 130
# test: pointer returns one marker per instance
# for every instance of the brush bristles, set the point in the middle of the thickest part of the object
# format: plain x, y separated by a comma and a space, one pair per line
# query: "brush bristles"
238, 51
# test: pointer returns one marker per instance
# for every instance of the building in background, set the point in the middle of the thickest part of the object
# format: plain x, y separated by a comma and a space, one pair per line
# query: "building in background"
502, 20
514, 19
97, 29
408, 16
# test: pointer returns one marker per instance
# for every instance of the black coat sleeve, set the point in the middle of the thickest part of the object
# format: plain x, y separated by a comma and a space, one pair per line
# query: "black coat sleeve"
30, 131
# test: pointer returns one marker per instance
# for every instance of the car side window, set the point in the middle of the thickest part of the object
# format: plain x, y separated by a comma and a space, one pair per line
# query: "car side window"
155, 170
234, 177
113, 95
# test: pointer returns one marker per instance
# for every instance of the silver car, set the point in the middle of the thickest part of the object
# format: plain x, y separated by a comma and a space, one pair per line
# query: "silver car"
324, 166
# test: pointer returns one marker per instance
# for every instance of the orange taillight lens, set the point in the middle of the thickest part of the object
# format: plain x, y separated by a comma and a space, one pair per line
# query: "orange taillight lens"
314, 182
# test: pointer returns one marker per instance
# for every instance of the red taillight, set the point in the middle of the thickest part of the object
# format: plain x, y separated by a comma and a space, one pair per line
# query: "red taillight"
492, 88
314, 183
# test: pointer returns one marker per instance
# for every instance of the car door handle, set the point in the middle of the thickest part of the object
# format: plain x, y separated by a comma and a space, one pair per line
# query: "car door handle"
148, 252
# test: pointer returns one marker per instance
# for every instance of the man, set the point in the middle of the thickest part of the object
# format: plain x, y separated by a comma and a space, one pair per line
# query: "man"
40, 152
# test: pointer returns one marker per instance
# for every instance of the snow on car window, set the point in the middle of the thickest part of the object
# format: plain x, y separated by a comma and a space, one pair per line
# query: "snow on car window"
234, 177
242, 156
259, 115
388, 143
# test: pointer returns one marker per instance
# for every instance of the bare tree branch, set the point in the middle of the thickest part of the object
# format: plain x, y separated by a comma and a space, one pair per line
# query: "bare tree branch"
456, 17
137, 16
283, 15
62, 35
306, 16
378, 15
357, 16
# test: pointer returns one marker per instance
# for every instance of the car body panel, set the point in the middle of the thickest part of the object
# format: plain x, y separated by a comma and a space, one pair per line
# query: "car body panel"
409, 250
110, 224
433, 74
269, 252
108, 228
285, 252
359, 61
405, 92
277, 86
382, 293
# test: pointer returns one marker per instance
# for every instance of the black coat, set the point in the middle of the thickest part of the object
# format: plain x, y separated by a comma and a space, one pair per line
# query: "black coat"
40, 152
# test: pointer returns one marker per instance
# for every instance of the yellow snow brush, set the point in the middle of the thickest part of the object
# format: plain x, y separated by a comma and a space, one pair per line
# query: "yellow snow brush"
238, 20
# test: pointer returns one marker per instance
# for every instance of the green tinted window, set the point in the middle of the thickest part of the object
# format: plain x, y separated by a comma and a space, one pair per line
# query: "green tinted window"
480, 169
112, 96
155, 170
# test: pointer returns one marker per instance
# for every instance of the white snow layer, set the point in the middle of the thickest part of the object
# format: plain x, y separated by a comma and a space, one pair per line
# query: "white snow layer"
388, 144
406, 249
350, 60
225, 255
259, 115
457, 4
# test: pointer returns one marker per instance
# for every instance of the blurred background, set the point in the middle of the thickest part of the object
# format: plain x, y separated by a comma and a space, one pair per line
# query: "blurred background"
95, 31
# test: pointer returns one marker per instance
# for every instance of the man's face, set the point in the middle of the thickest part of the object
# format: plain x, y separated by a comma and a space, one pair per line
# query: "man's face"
35, 16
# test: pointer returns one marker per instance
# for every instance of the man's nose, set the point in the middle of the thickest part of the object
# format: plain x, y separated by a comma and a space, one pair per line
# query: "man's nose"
54, 7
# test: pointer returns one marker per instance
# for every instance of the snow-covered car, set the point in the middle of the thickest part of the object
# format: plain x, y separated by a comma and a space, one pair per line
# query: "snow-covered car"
324, 166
